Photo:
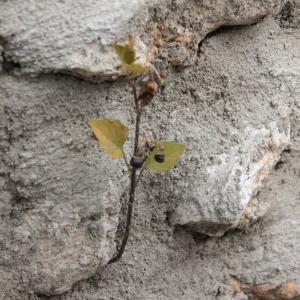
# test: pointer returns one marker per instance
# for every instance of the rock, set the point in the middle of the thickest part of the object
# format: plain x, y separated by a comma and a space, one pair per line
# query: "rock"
233, 183
285, 291
160, 263
222, 194
60, 194
197, 19
71, 38
76, 38
59, 202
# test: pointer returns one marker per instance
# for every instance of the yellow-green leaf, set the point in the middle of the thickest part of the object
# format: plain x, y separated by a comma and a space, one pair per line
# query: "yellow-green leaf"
126, 53
119, 50
172, 152
112, 135
136, 68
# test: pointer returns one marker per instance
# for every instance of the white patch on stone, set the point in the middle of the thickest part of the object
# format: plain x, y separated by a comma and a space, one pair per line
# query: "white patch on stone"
243, 169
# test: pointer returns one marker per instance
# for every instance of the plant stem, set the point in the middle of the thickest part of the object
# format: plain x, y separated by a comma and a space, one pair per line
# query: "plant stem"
135, 96
133, 180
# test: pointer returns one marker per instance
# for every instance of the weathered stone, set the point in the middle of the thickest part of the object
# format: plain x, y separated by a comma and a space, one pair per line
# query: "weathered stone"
59, 194
160, 263
59, 208
285, 291
233, 183
68, 37
221, 195
76, 38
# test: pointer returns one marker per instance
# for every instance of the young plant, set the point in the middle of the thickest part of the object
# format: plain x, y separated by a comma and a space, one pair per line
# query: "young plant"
148, 154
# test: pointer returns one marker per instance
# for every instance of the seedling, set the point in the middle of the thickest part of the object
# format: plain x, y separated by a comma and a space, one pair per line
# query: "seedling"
148, 154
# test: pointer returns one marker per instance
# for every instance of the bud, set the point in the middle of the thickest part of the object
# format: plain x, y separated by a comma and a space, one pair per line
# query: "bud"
147, 92
151, 87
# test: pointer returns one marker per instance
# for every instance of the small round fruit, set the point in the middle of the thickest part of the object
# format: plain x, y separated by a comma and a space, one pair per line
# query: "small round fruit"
136, 162
159, 157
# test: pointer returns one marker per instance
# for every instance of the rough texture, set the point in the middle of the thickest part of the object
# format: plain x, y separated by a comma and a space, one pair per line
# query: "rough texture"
234, 105
1, 57
58, 213
234, 181
63, 36
246, 140
76, 38
262, 263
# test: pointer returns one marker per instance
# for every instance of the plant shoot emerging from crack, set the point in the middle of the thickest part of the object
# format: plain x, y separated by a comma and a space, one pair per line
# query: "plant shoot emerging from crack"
148, 154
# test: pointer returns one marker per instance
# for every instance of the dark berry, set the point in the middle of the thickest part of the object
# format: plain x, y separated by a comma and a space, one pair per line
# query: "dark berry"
136, 162
159, 157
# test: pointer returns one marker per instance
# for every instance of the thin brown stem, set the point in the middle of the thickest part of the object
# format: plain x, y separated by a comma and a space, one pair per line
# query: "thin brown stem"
135, 96
133, 181
128, 218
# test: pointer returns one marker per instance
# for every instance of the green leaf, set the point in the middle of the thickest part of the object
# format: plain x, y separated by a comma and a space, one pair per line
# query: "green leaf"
112, 135
172, 152
136, 68
126, 53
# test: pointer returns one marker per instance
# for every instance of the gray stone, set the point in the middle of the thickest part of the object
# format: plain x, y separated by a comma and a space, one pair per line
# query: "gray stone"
232, 103
163, 264
55, 185
243, 137
233, 181
68, 37
76, 38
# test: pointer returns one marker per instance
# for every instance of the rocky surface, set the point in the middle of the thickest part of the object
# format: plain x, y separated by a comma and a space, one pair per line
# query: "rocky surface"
68, 37
222, 193
233, 98
59, 214
76, 38
261, 263
233, 183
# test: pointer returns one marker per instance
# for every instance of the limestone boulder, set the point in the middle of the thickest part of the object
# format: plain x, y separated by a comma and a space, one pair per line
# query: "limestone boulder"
76, 38
229, 97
